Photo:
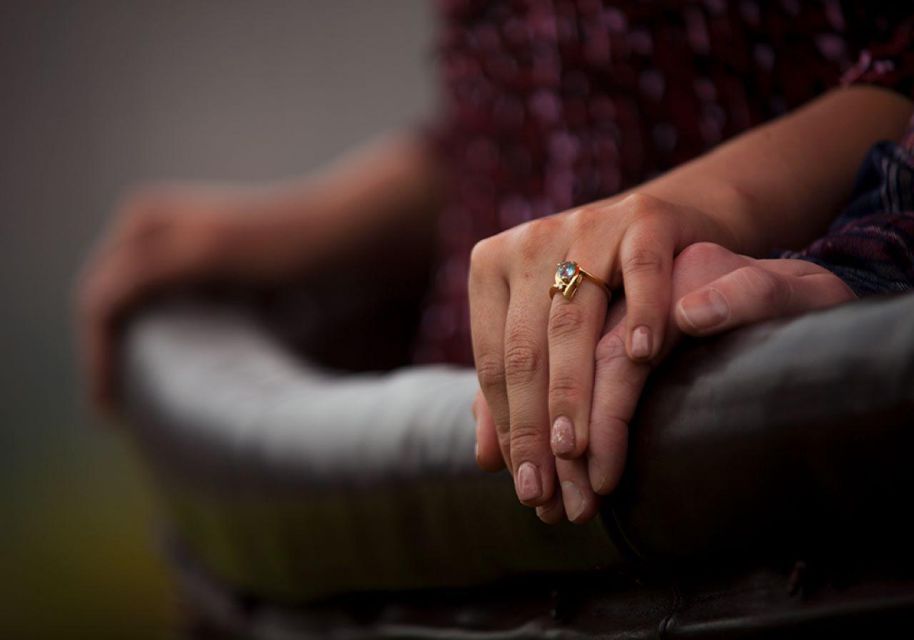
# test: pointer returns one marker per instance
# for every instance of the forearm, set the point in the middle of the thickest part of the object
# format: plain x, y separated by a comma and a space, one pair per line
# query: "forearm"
394, 180
780, 184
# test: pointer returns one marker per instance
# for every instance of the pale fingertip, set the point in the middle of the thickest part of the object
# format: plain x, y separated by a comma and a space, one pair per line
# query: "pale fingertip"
573, 498
562, 439
550, 513
701, 311
641, 343
528, 484
602, 479
490, 463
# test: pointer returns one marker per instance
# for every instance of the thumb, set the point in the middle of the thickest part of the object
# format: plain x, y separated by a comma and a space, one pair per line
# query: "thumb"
761, 291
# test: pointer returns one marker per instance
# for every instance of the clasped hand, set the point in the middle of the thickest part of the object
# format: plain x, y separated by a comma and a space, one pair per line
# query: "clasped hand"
560, 379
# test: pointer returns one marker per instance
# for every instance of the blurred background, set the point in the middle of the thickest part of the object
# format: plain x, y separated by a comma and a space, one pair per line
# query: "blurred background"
98, 96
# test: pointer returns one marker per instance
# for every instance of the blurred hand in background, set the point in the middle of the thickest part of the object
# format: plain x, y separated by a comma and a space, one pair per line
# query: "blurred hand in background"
173, 235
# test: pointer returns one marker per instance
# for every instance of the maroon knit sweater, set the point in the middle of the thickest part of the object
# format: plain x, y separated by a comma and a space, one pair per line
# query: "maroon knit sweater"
554, 103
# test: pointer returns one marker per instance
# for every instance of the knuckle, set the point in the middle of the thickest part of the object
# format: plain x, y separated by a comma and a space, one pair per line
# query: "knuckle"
484, 258
768, 289
522, 359
585, 219
547, 226
564, 388
642, 260
532, 237
526, 439
491, 373
565, 320
639, 203
479, 256
520, 363
610, 349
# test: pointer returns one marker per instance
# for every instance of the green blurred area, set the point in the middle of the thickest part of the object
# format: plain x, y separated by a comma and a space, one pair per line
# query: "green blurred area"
79, 547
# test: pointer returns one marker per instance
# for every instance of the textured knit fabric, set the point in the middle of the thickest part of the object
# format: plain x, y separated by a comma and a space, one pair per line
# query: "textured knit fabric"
550, 104
871, 244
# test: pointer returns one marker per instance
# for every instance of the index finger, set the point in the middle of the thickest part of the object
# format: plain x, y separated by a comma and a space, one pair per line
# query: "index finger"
488, 297
646, 259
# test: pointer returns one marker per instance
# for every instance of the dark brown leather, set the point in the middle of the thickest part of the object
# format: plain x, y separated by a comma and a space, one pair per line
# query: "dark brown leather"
783, 442
766, 603
787, 438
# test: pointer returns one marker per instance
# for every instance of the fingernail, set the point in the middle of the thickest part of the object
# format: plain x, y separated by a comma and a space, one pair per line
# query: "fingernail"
562, 436
704, 309
547, 513
528, 482
641, 342
598, 476
573, 499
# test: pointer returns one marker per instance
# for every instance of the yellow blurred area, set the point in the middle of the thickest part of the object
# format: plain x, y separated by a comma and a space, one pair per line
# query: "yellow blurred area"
80, 557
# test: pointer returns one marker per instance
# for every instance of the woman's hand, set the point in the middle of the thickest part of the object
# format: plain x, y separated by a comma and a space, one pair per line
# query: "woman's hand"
714, 290
535, 357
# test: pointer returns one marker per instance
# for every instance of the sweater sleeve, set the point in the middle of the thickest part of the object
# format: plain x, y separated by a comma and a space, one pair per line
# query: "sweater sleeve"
871, 244
881, 38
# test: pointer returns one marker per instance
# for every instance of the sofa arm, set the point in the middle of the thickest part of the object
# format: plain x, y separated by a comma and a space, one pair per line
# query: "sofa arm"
787, 439
289, 481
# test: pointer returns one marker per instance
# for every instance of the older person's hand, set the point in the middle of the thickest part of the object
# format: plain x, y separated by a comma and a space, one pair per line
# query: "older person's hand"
161, 236
173, 235
714, 290
534, 356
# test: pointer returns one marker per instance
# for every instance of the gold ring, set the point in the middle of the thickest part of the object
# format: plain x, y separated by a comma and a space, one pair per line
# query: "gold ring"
569, 276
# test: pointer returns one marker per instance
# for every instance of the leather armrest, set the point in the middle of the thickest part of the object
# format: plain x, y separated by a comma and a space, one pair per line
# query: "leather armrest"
287, 480
787, 439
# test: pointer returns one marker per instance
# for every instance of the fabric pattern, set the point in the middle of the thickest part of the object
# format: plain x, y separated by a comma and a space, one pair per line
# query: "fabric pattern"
554, 103
871, 244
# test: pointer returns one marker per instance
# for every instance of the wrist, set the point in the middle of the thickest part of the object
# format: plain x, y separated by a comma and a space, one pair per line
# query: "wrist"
270, 231
735, 210
722, 212
288, 227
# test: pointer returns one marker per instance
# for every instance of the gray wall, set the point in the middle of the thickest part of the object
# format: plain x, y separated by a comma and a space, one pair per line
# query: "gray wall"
96, 96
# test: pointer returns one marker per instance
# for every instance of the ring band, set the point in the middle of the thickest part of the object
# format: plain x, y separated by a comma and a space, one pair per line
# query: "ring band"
569, 276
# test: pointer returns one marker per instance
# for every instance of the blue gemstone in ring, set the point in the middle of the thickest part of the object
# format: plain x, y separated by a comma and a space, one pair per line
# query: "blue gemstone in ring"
567, 270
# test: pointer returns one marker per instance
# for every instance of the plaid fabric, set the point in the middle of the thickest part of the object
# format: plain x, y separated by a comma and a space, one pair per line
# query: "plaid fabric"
871, 244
